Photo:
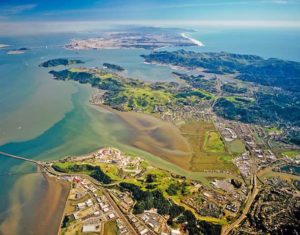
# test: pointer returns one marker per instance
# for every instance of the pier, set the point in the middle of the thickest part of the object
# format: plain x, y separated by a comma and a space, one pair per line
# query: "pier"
38, 163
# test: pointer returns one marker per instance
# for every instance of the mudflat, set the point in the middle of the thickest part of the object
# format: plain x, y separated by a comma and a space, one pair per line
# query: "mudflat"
42, 211
157, 137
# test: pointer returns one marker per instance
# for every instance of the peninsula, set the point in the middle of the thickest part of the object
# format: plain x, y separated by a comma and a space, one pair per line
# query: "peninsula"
231, 154
153, 38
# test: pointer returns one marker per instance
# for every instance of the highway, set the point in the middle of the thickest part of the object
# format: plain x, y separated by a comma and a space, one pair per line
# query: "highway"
105, 192
121, 215
252, 194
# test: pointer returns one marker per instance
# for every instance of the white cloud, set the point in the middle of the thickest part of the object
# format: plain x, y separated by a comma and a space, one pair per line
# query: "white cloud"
30, 28
17, 9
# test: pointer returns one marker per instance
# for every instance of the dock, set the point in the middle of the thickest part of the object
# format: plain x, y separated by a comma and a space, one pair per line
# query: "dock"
38, 163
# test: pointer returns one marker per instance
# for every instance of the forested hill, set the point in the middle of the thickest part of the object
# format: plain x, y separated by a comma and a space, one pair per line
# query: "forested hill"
251, 68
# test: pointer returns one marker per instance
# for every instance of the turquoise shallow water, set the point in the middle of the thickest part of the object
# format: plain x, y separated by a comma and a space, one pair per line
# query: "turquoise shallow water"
45, 119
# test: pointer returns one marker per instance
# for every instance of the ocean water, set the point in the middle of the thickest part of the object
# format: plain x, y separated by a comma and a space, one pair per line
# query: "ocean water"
45, 119
275, 42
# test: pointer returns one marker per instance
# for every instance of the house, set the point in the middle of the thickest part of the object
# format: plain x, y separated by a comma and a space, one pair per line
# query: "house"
175, 232
89, 202
90, 228
80, 206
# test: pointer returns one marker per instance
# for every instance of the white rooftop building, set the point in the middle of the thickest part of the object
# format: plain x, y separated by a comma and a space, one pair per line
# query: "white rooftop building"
175, 232
81, 206
89, 202
91, 228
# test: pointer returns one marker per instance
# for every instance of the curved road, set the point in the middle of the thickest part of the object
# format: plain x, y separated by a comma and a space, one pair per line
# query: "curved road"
254, 191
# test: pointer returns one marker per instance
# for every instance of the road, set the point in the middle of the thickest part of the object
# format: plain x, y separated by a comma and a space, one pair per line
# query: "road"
119, 212
250, 198
218, 95
254, 191
132, 231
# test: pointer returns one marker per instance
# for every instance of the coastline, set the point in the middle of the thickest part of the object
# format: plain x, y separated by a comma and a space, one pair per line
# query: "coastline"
64, 207
3, 46
52, 206
198, 43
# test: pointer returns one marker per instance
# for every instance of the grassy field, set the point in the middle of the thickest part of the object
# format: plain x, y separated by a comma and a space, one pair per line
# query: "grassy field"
274, 130
143, 99
213, 142
235, 147
208, 150
111, 170
110, 228
291, 153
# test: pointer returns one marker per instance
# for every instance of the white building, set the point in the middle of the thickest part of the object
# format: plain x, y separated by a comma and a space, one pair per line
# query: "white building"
91, 228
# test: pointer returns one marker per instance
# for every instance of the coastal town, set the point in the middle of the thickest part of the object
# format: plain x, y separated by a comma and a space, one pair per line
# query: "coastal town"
94, 207
91, 208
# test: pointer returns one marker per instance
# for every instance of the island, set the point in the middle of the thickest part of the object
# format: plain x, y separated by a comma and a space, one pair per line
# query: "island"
113, 67
3, 46
60, 61
18, 51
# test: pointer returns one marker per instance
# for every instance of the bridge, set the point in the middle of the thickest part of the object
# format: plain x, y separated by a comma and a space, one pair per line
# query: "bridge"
21, 158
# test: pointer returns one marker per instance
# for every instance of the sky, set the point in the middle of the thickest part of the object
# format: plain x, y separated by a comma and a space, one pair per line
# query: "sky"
17, 14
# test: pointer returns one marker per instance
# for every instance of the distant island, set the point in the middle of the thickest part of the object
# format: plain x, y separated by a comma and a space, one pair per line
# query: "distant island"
3, 46
145, 38
113, 67
60, 61
18, 51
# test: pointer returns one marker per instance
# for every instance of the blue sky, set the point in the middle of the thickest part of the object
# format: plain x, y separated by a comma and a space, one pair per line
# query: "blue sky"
19, 14
28, 10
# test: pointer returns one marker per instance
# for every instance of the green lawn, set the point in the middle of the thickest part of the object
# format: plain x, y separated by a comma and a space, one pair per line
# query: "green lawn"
208, 149
141, 98
291, 153
236, 146
213, 142
274, 130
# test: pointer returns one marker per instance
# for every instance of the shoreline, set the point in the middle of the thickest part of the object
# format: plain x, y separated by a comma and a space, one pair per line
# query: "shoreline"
65, 205
2, 46
195, 41
58, 190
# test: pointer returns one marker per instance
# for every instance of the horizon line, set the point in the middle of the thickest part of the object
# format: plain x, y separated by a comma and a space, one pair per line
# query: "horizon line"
10, 28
